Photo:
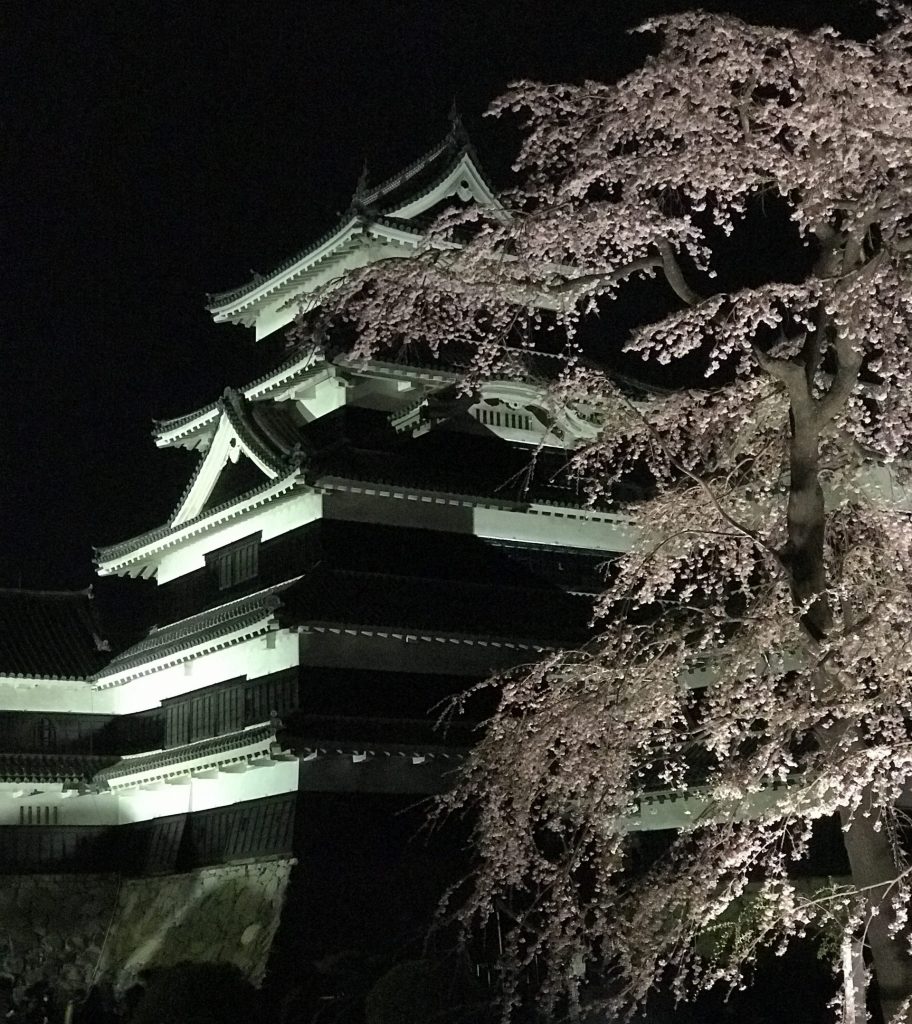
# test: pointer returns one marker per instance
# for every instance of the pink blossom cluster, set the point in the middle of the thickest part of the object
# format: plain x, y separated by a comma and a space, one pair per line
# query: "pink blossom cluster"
751, 654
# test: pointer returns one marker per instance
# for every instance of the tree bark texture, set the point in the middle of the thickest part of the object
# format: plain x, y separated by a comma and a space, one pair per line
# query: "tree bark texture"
869, 851
872, 863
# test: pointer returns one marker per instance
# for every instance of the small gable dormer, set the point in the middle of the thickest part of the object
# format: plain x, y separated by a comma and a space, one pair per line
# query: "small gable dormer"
267, 434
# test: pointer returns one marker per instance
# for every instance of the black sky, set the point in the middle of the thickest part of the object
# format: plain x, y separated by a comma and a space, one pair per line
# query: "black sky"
151, 152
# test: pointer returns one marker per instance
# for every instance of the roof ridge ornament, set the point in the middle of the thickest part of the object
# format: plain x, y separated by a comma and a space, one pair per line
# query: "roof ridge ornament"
359, 198
458, 133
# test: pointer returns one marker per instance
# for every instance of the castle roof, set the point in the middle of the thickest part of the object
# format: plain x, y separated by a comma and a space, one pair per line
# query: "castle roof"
68, 770
394, 212
50, 634
218, 627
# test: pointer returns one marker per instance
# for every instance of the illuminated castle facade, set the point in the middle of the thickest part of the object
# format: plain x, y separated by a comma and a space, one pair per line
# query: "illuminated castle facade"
359, 541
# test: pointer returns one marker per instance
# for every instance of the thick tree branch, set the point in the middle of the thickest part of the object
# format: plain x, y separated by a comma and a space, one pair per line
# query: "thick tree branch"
790, 374
674, 275
849, 360
571, 284
666, 261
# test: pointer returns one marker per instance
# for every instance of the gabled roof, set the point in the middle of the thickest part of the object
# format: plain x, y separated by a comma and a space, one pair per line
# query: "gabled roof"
425, 176
50, 634
195, 429
270, 434
133, 553
390, 212
306, 368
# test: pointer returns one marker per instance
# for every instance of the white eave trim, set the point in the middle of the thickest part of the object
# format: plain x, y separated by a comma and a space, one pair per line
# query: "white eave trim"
411, 636
569, 513
147, 554
236, 636
314, 363
202, 423
378, 369
275, 282
208, 762
463, 171
184, 432
388, 233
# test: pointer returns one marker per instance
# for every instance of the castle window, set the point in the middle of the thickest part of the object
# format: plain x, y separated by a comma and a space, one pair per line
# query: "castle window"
236, 563
44, 733
31, 814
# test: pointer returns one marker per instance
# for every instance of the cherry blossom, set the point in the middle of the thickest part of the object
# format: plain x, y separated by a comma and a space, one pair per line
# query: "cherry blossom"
750, 657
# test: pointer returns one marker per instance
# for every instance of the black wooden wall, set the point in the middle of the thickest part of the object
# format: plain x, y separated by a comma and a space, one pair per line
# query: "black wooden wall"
255, 828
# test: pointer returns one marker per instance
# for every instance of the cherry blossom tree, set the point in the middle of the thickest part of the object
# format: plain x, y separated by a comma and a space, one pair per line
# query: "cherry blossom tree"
752, 654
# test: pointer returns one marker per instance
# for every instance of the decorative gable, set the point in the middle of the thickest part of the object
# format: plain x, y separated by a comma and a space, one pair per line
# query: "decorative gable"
267, 435
382, 222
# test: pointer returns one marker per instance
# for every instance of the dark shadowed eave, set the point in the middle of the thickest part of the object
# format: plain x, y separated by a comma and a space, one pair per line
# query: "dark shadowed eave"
391, 602
50, 634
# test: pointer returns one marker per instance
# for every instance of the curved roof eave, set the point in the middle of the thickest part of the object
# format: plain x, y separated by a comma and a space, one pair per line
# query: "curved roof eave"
115, 559
298, 366
227, 304
459, 173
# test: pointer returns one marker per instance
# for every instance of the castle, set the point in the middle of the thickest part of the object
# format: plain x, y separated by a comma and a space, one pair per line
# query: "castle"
359, 541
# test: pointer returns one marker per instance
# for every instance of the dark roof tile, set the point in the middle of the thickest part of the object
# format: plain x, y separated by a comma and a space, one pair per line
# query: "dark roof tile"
50, 634
172, 639
70, 769
159, 759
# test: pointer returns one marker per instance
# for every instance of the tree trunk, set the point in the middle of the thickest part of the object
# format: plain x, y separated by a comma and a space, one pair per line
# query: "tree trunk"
872, 863
853, 982
806, 522
869, 852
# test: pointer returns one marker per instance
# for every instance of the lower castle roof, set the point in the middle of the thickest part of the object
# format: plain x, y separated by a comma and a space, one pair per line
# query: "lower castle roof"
49, 634
69, 769
187, 752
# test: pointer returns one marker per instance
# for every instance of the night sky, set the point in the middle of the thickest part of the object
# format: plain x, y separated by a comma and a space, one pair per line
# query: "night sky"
153, 152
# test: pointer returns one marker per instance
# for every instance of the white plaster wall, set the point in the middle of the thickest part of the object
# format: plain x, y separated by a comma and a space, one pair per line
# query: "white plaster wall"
142, 804
552, 528
378, 503
202, 794
88, 809
259, 656
322, 398
53, 695
278, 517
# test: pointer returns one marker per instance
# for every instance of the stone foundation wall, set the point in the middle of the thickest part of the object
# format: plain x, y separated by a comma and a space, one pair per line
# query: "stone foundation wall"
225, 914
53, 927
74, 929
